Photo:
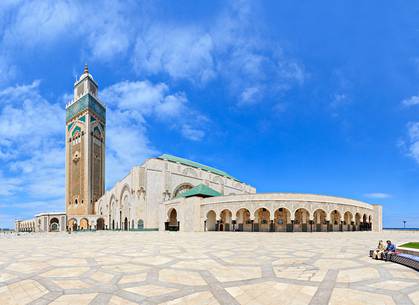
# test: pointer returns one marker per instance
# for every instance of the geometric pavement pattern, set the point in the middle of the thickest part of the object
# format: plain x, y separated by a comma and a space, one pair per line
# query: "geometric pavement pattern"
206, 268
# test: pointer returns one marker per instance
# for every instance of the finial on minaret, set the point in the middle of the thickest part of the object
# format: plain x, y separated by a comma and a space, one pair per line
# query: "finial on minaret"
86, 69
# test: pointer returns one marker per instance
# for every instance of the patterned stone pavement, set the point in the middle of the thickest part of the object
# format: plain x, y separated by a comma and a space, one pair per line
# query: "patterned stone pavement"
202, 268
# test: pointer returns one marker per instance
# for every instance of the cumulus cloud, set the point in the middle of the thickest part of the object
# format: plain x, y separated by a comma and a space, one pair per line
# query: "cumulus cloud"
31, 148
181, 52
129, 106
192, 133
411, 101
36, 23
412, 142
231, 49
377, 195
106, 32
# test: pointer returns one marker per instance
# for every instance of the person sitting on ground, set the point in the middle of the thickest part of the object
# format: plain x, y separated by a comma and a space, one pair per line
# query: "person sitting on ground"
378, 253
391, 249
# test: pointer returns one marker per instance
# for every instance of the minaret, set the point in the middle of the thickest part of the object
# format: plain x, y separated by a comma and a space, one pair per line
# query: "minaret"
85, 148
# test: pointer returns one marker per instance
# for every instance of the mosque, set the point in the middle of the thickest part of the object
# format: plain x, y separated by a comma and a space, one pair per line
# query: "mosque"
175, 194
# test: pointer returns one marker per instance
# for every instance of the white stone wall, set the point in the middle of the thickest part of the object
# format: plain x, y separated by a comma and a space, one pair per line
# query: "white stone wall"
190, 220
148, 185
41, 223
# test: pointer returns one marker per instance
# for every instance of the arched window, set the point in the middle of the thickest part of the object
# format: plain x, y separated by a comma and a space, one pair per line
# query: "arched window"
181, 189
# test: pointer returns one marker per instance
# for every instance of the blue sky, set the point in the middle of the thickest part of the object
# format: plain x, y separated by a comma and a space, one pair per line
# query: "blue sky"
317, 97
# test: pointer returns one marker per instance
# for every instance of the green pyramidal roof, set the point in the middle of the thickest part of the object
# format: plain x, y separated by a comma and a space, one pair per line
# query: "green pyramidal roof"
196, 165
200, 190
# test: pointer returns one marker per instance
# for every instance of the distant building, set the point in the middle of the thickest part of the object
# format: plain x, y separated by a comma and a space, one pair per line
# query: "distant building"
43, 222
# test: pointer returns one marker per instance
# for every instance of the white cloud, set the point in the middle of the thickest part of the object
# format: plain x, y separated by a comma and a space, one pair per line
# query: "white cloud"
37, 23
9, 185
181, 52
129, 106
109, 33
250, 95
377, 195
142, 98
32, 145
412, 143
338, 100
105, 30
232, 49
411, 101
192, 133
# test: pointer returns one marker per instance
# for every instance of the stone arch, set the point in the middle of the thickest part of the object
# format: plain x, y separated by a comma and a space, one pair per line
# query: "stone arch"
100, 207
54, 224
113, 211
357, 218
72, 224
335, 221
319, 219
84, 224
100, 224
262, 219
211, 221
226, 220
243, 219
124, 191
335, 217
364, 223
140, 224
181, 188
301, 220
126, 224
282, 219
172, 223
97, 131
347, 218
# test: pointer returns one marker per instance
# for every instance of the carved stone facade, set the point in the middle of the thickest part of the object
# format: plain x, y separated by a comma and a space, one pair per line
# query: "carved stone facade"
271, 212
44, 222
133, 203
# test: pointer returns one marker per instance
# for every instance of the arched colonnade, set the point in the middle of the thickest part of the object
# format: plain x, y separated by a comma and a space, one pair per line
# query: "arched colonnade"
283, 218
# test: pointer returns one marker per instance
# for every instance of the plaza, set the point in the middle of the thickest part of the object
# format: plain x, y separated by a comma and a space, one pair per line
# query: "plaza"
119, 267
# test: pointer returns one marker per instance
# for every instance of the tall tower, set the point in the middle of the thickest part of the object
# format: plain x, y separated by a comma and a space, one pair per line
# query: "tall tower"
85, 147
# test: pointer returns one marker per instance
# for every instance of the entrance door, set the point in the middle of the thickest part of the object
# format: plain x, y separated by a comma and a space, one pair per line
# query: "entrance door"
100, 224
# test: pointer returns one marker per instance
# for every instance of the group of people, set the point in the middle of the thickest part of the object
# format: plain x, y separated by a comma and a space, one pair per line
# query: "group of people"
383, 251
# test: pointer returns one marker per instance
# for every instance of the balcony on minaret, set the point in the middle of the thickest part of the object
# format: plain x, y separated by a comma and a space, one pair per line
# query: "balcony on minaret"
85, 85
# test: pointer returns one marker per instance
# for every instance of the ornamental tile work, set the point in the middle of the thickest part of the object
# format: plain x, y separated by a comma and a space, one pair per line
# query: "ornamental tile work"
86, 102
207, 268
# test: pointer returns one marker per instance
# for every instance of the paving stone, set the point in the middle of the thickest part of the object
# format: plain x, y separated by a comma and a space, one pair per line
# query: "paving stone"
208, 268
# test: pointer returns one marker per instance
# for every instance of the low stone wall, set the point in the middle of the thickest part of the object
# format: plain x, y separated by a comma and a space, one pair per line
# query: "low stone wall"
410, 251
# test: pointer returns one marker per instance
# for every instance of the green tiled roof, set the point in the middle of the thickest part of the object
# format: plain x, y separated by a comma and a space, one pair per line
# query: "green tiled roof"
200, 190
196, 165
